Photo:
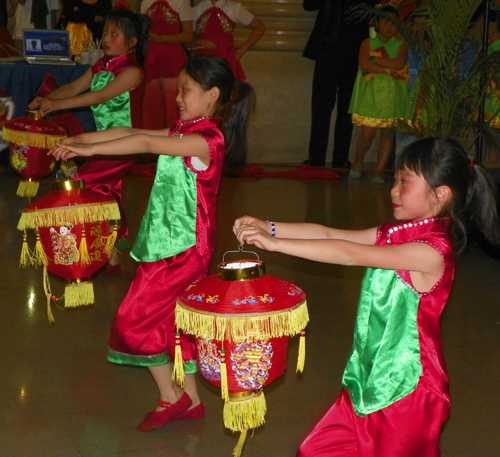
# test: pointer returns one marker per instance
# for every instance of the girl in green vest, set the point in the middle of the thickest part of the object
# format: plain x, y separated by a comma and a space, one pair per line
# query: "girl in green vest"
395, 398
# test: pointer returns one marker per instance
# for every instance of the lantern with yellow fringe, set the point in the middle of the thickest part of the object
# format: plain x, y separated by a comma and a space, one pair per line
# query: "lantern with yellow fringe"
73, 240
242, 319
31, 137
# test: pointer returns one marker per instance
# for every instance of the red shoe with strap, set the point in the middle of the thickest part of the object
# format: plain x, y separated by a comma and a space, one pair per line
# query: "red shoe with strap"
194, 414
157, 419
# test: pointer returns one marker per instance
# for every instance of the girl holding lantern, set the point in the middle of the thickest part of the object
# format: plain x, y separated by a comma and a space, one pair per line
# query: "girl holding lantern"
396, 396
115, 95
176, 239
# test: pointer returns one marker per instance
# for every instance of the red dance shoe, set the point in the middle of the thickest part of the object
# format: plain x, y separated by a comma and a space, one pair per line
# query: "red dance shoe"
157, 419
195, 414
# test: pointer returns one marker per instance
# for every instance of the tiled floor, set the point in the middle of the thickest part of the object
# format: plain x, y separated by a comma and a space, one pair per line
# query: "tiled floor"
59, 397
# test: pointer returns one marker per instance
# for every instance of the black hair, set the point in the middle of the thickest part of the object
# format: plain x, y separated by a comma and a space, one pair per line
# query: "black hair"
235, 103
444, 162
133, 26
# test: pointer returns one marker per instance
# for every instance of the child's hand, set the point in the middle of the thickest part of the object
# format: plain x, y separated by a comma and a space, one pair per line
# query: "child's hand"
46, 106
255, 235
69, 150
35, 103
248, 220
207, 44
155, 38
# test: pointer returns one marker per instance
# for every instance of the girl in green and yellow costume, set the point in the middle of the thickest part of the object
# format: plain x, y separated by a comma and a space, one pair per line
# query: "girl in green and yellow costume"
379, 95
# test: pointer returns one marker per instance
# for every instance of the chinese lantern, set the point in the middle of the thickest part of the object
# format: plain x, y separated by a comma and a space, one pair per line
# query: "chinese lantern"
73, 240
242, 319
31, 137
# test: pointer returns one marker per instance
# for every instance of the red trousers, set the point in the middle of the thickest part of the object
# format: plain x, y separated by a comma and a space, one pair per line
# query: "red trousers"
408, 428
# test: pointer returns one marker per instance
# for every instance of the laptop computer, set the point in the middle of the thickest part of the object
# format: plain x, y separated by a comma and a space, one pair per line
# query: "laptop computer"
47, 47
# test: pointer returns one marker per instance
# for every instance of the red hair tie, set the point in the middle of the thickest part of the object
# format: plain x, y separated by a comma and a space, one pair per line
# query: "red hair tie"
121, 5
471, 163
235, 94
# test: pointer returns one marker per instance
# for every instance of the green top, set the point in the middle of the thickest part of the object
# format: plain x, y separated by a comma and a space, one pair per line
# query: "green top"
169, 224
384, 365
114, 112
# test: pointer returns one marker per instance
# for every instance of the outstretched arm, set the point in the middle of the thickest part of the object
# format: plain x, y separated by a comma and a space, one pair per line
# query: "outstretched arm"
423, 261
186, 146
306, 231
71, 96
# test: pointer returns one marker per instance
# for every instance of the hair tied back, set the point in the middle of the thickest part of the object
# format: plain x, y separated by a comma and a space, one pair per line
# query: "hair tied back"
235, 94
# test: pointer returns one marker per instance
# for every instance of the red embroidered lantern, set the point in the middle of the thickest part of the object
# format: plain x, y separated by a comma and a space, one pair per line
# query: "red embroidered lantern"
31, 137
73, 240
242, 319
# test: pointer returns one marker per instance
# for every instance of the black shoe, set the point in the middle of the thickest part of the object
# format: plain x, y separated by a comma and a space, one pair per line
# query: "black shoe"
314, 163
342, 165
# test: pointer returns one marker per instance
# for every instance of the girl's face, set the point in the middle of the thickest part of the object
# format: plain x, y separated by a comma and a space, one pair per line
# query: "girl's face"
192, 100
412, 199
386, 29
114, 41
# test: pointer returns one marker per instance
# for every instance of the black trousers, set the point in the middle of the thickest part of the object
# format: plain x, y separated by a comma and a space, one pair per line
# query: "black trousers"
333, 82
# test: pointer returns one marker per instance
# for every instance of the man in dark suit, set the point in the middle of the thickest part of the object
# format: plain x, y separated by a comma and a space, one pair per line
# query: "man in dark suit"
333, 45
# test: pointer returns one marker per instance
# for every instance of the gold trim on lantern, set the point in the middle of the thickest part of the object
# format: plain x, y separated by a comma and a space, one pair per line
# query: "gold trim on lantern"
75, 215
34, 114
78, 281
67, 184
244, 395
241, 270
245, 414
237, 327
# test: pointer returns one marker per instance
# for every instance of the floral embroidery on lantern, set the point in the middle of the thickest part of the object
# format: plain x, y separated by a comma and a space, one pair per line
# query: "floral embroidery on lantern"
266, 298
18, 158
251, 363
246, 301
196, 297
294, 291
208, 359
64, 245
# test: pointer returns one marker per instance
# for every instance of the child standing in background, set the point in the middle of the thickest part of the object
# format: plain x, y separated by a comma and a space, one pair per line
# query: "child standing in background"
214, 23
396, 396
176, 239
379, 95
171, 26
115, 95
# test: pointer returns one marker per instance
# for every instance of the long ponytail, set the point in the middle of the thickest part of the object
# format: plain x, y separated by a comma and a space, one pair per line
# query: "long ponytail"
235, 103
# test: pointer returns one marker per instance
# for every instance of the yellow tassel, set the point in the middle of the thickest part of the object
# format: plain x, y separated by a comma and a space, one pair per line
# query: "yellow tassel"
302, 351
48, 294
27, 188
31, 139
40, 258
223, 377
84, 253
26, 258
236, 328
110, 245
79, 294
241, 442
178, 371
247, 412
75, 215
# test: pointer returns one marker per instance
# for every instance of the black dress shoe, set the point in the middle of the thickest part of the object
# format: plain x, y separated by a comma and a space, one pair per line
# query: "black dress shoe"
342, 165
314, 163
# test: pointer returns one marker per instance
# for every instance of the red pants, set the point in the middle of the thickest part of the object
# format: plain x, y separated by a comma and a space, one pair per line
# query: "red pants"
408, 428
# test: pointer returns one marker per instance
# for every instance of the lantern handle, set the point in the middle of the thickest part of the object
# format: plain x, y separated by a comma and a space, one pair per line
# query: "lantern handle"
239, 251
